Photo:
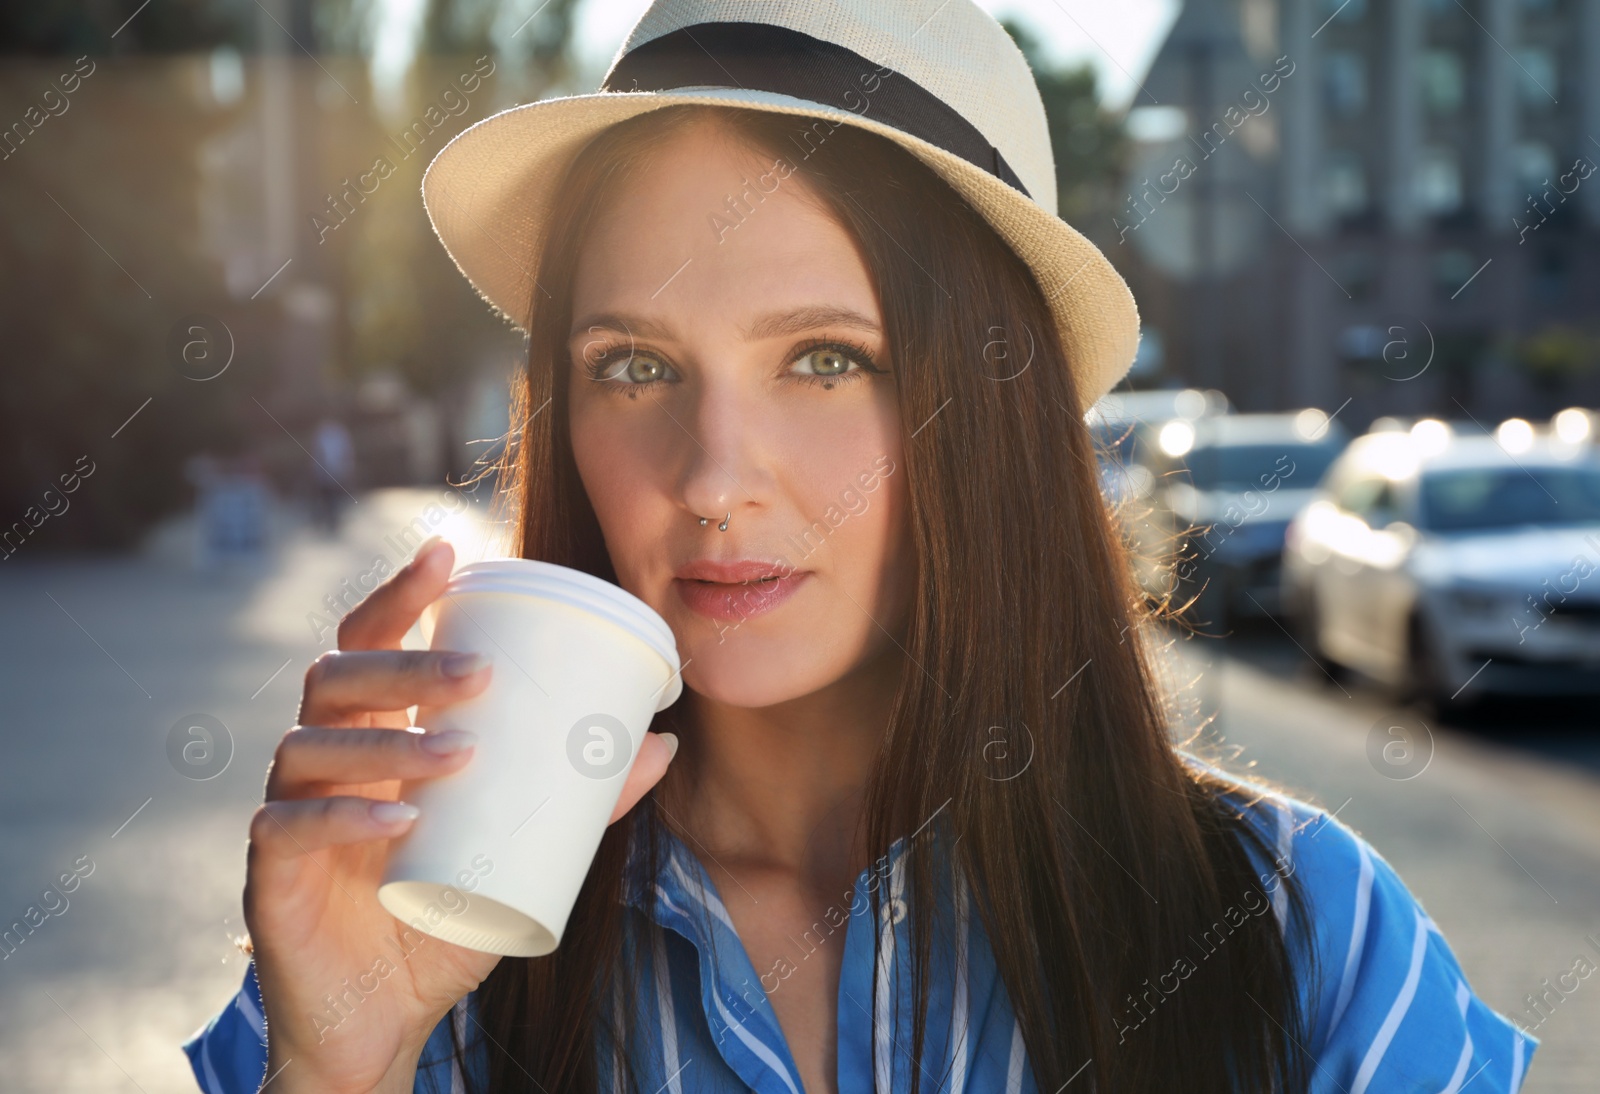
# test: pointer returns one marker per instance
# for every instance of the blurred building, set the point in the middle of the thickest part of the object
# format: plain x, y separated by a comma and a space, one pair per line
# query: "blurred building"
1395, 202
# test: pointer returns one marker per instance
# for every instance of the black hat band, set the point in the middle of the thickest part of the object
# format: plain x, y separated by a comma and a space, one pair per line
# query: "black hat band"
764, 57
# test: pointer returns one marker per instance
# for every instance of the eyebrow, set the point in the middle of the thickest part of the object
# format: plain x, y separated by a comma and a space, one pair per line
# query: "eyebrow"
771, 325
775, 324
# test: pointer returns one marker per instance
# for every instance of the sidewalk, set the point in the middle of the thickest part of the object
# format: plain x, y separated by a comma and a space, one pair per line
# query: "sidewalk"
102, 659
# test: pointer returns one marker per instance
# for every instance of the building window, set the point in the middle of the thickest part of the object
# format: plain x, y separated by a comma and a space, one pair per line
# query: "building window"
1550, 280
1358, 273
1545, 185
1362, 342
1535, 166
1439, 180
1443, 80
1536, 77
1345, 83
1451, 270
1539, 7
1345, 184
1442, 8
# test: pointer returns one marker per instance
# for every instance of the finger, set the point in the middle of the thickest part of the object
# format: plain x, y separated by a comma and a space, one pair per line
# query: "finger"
655, 753
341, 683
383, 618
281, 831
312, 756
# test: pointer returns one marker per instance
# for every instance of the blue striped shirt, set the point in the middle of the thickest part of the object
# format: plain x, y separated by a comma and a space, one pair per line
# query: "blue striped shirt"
1392, 1010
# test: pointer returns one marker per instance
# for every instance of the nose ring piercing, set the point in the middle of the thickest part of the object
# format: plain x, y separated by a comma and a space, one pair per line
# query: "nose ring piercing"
723, 527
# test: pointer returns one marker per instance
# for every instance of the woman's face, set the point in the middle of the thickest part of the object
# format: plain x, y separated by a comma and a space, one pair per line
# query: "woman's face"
725, 315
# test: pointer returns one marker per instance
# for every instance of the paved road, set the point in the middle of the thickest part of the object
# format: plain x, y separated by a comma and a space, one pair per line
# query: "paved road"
1502, 843
1496, 831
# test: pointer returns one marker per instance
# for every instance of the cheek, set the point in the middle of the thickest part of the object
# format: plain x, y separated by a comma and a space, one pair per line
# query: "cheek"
882, 545
619, 464
854, 501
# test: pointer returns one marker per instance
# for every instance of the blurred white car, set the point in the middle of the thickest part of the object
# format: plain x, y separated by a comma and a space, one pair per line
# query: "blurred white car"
1225, 489
1124, 424
1433, 561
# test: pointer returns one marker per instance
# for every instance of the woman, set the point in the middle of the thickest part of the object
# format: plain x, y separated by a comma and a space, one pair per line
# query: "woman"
809, 380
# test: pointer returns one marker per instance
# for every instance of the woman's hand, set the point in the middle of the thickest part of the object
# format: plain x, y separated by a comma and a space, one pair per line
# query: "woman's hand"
319, 844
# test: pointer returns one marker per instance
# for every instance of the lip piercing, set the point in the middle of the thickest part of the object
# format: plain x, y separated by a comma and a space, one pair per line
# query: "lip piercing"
723, 527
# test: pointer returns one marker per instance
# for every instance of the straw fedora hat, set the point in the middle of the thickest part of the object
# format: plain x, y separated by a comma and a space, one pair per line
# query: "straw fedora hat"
941, 78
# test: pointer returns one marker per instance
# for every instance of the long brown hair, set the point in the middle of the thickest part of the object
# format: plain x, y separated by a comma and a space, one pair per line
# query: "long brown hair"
1098, 857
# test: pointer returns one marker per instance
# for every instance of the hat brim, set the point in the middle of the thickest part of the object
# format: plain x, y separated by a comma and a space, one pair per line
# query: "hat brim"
488, 194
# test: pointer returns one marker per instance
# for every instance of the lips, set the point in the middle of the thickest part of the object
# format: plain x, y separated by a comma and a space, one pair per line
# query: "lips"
736, 590
733, 572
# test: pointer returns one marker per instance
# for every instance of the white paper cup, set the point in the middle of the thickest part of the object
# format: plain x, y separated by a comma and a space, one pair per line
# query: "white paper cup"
495, 860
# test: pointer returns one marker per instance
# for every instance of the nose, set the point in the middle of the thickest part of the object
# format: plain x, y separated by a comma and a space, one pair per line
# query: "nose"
725, 463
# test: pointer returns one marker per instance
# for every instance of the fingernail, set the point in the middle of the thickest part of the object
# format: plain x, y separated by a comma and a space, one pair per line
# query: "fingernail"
672, 744
393, 812
449, 741
463, 664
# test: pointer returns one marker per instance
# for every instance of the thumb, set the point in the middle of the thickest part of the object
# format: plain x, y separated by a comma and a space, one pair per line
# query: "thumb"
655, 754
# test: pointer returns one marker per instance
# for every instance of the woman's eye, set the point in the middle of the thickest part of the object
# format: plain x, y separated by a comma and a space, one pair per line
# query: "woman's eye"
630, 370
826, 362
625, 368
642, 370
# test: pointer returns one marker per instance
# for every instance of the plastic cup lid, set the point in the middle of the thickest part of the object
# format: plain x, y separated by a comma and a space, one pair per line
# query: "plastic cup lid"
533, 577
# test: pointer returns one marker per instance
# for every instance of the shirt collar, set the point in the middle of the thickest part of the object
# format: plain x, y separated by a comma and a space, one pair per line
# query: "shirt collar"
682, 899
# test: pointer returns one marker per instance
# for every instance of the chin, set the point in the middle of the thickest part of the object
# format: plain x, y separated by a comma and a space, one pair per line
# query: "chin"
753, 674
